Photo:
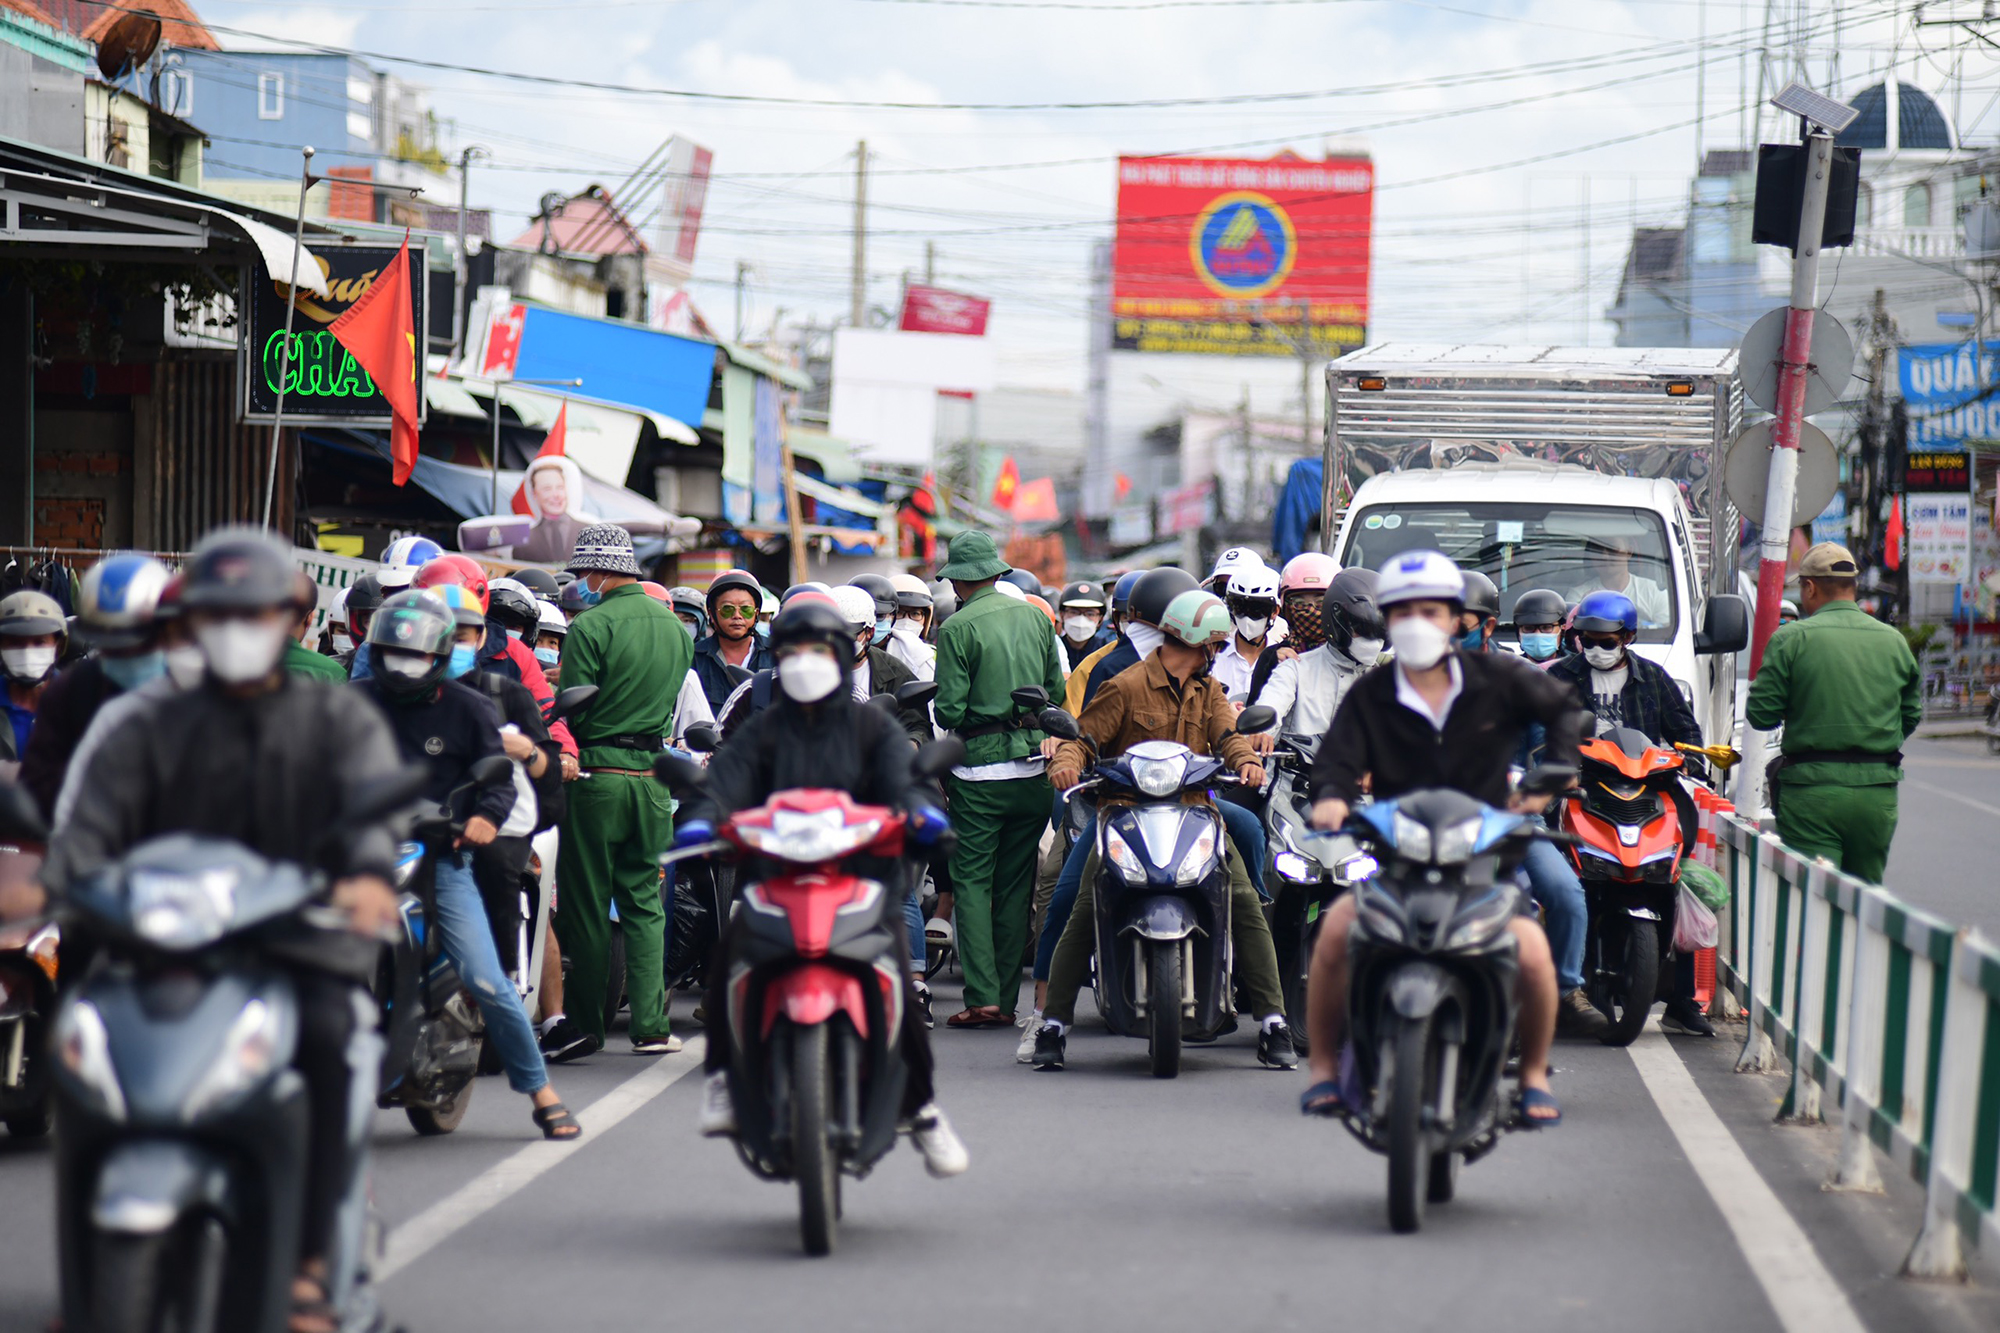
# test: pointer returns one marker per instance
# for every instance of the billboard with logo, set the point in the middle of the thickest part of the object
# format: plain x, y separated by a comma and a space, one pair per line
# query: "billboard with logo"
1237, 257
324, 384
935, 310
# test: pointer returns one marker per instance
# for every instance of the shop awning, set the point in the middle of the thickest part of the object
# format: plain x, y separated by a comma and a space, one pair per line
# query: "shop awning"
840, 498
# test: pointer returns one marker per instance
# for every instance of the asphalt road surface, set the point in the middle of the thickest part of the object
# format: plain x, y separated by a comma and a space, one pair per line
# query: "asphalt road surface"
1100, 1198
1947, 847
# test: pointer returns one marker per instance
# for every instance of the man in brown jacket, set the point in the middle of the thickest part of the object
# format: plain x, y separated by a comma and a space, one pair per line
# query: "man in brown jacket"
1168, 697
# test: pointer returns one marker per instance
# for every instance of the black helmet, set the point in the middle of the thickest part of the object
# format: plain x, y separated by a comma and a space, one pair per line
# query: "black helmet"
1348, 609
364, 595
1081, 593
1540, 606
739, 581
539, 582
1482, 598
1156, 588
414, 621
878, 587
239, 569
1023, 580
813, 621
944, 601
511, 607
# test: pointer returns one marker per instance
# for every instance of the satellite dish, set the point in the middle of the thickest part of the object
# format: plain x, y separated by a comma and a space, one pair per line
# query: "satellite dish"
1747, 472
1831, 359
127, 44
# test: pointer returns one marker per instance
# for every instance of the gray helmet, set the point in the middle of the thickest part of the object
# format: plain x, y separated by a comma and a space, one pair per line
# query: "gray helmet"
1482, 597
539, 582
878, 587
1540, 606
414, 621
944, 602
29, 614
239, 569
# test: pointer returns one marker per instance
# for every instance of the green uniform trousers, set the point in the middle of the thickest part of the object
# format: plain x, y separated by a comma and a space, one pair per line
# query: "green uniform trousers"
1256, 960
1850, 826
616, 828
999, 827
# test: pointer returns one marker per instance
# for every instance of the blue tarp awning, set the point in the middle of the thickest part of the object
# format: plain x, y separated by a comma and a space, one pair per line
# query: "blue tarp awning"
628, 365
1297, 509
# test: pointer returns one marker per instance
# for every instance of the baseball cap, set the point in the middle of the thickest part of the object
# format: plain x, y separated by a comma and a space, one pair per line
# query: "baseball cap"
1828, 560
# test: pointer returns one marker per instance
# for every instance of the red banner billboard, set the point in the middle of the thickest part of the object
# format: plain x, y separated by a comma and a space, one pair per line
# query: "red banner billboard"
1233, 257
935, 310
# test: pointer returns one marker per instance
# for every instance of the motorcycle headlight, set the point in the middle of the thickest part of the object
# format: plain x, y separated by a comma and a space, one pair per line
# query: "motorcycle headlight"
84, 1048
1123, 857
1380, 912
1355, 868
1293, 867
408, 857
1199, 859
182, 910
248, 1052
1454, 845
1480, 920
1159, 777
1413, 840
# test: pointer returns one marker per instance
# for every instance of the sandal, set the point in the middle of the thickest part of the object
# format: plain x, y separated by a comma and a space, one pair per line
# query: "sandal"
1537, 1099
986, 1016
1323, 1099
555, 1117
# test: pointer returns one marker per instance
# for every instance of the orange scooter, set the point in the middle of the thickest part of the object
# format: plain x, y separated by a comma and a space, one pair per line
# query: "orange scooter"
1633, 822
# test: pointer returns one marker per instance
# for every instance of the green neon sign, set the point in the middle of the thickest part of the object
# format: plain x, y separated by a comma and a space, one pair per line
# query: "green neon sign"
320, 367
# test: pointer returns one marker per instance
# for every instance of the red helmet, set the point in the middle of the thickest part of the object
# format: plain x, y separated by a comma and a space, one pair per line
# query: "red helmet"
1312, 571
657, 593
1044, 608
463, 570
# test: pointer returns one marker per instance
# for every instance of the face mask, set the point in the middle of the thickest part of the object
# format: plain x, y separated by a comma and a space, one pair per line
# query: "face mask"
1540, 647
1604, 659
1252, 630
1144, 638
1473, 640
405, 666
588, 595
239, 651
342, 642
1078, 629
807, 677
1364, 651
514, 634
882, 629
912, 630
129, 673
1419, 644
548, 657
463, 658
185, 665
763, 629
27, 665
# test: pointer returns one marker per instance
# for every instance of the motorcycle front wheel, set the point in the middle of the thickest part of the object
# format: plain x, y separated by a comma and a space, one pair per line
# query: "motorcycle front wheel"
440, 1117
814, 1164
1412, 1074
1630, 995
128, 1285
1163, 1007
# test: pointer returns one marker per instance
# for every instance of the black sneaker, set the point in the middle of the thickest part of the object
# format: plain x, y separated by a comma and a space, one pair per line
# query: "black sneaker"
1049, 1048
924, 1005
1274, 1047
565, 1041
1684, 1018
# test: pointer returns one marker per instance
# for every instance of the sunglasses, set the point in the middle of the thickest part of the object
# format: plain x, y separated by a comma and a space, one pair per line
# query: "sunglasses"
1599, 641
735, 613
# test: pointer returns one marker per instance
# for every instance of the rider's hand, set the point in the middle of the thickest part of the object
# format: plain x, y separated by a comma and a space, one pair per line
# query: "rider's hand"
927, 824
570, 767
518, 747
369, 902
1528, 804
1263, 742
1329, 813
479, 831
693, 832
1286, 653
1062, 779
1049, 746
21, 898
1252, 774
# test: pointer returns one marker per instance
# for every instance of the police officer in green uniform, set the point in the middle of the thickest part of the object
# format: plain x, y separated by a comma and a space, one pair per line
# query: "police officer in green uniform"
1846, 689
637, 654
999, 797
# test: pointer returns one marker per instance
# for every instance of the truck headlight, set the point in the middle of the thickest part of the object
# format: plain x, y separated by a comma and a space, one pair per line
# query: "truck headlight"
248, 1052
84, 1048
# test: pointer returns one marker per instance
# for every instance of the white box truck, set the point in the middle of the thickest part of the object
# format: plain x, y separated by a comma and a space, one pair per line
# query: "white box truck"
1550, 467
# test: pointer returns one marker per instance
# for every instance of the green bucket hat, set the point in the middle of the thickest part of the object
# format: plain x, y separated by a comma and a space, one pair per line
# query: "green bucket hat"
973, 558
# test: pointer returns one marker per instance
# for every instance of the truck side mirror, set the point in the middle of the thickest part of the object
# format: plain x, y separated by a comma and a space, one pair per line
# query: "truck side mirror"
1725, 625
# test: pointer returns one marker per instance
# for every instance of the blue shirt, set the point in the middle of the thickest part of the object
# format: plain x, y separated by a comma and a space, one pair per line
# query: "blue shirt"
23, 720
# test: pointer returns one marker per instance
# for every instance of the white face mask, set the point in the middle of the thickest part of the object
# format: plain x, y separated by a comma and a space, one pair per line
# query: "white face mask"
808, 678
28, 665
910, 629
1077, 629
1419, 644
405, 666
239, 651
342, 642
185, 664
1253, 630
1364, 651
1604, 659
1144, 638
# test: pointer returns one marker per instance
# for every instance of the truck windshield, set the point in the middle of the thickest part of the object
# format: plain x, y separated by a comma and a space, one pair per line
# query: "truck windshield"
1570, 549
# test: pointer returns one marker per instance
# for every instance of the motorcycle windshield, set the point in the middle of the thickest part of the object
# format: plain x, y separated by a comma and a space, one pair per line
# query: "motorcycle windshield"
184, 892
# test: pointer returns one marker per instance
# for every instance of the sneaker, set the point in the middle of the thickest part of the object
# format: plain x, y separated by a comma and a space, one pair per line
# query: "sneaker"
718, 1109
1049, 1048
1274, 1047
1576, 1016
924, 1005
1031, 1028
938, 932
564, 1041
944, 1152
1684, 1018
657, 1046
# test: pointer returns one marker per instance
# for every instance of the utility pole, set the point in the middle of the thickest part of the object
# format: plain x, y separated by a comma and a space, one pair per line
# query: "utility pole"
742, 274
463, 274
1864, 520
285, 349
858, 284
1243, 512
930, 263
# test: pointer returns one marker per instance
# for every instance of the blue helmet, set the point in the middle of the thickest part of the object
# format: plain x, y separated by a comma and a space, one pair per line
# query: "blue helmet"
402, 559
1607, 612
1121, 592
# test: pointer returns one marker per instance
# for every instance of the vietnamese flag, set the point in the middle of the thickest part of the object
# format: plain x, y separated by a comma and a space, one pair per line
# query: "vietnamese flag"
1035, 502
553, 446
1009, 482
378, 332
1892, 536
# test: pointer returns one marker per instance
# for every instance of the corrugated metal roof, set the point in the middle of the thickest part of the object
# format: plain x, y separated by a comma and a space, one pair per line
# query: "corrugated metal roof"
1537, 360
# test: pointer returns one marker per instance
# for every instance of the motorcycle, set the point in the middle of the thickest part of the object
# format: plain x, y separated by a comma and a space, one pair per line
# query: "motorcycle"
1632, 821
1431, 989
1162, 904
181, 1126
28, 953
1307, 871
816, 987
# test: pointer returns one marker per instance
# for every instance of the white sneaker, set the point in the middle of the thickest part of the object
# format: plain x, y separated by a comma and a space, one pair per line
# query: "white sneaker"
944, 1152
718, 1111
938, 930
1031, 1027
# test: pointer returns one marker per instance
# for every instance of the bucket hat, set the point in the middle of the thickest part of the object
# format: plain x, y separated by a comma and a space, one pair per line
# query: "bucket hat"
972, 559
604, 548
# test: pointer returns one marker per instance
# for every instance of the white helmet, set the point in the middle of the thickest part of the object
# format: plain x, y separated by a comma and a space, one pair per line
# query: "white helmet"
1261, 582
1006, 589
1234, 559
1419, 576
336, 610
552, 620
857, 605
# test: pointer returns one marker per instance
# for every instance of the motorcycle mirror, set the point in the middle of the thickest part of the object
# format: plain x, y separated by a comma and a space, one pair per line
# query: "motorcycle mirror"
1030, 699
1059, 724
491, 771
677, 774
1548, 780
938, 757
1256, 718
702, 738
572, 701
20, 818
885, 702
916, 693
736, 674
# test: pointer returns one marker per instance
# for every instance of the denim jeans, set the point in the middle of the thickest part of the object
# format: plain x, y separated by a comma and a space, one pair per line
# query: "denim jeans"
1552, 882
1246, 830
913, 920
461, 919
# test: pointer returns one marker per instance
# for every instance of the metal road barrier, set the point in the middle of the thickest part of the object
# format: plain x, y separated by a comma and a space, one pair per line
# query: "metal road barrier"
1890, 1012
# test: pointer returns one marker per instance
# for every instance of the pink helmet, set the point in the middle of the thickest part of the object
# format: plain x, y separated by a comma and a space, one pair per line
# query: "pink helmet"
1311, 571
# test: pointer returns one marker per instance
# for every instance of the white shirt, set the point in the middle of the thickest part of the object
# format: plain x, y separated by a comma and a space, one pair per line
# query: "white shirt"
910, 649
691, 706
1233, 669
1306, 690
1406, 695
863, 678
1606, 687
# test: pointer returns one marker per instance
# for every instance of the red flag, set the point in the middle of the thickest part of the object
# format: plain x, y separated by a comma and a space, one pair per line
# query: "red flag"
1009, 482
378, 332
552, 447
1892, 535
1035, 501
1121, 485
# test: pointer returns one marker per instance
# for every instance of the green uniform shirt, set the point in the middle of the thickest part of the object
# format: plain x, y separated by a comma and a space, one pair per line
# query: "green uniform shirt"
1838, 680
637, 654
303, 661
992, 645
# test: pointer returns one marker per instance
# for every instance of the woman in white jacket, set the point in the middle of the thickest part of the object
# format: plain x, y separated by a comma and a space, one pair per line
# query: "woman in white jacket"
1306, 689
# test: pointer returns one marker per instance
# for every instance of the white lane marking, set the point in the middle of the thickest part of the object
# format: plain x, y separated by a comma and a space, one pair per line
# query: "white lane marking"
1949, 794
411, 1240
1801, 1290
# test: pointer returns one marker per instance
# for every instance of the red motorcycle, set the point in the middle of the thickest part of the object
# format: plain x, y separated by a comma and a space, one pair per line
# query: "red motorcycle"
815, 987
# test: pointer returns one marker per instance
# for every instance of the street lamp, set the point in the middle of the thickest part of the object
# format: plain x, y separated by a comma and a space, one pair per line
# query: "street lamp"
496, 383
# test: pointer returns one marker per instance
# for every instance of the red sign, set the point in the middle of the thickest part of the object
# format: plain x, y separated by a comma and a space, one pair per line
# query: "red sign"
503, 342
1242, 258
935, 310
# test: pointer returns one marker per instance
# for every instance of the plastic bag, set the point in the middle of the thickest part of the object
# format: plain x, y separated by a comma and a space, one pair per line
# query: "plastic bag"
1694, 924
1708, 885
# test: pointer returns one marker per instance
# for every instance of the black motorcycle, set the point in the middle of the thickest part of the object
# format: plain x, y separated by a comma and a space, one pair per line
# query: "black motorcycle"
28, 955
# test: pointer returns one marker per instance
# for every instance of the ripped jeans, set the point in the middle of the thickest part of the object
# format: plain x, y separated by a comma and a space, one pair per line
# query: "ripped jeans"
468, 939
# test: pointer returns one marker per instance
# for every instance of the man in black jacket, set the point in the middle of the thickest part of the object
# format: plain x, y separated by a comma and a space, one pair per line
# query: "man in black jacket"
1435, 717
734, 601
1616, 685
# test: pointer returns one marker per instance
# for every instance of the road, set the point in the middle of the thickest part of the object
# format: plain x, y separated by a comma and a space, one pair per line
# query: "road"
1948, 832
1100, 1198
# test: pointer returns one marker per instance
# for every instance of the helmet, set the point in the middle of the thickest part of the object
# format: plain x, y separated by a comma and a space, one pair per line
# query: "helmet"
465, 612
509, 602
571, 598
769, 606
797, 588
1788, 607
857, 606
1156, 588
1013, 590
912, 594
1084, 593
657, 591
412, 622
1042, 604
115, 605
1606, 612
463, 570
1121, 591
687, 601
539, 582
1540, 606
1419, 576
364, 595
1023, 580
29, 614
1234, 559
944, 602
737, 580
1348, 611
813, 621
169, 607
552, 622
1482, 597
404, 557
1308, 571
1259, 584
336, 610
878, 587
1196, 618
239, 569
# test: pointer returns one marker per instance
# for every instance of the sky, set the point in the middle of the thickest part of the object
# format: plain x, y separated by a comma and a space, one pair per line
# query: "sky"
1516, 142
